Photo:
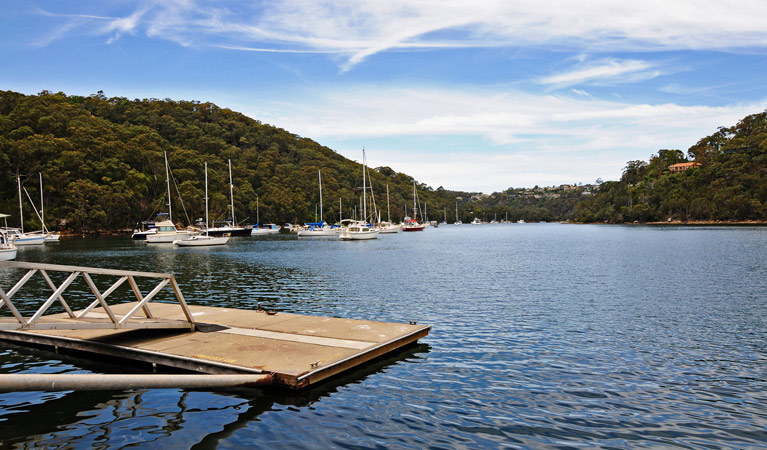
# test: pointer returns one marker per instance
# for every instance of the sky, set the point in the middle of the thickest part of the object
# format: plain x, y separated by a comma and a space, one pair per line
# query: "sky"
477, 96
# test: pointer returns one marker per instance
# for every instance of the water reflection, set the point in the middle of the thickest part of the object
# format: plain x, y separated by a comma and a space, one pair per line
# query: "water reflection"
114, 419
545, 336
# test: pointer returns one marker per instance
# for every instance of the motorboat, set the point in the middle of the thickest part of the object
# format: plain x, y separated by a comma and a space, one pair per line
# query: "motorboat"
357, 230
477, 221
167, 233
388, 228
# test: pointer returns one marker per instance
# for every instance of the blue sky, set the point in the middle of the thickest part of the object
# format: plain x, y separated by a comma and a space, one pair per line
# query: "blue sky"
478, 96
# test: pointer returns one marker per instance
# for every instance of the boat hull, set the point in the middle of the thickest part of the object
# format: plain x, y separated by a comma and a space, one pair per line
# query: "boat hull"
29, 240
167, 238
233, 231
356, 236
201, 241
263, 231
7, 254
322, 232
142, 235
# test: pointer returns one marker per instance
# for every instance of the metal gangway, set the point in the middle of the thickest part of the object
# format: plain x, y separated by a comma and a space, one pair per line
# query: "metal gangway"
109, 316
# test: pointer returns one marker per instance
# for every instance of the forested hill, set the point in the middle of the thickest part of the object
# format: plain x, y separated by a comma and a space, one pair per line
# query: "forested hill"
102, 164
729, 184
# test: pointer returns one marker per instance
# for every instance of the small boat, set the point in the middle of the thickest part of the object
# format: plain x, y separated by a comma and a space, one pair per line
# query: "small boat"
166, 231
388, 227
476, 221
269, 228
7, 248
411, 223
17, 235
147, 229
203, 240
359, 229
317, 229
230, 227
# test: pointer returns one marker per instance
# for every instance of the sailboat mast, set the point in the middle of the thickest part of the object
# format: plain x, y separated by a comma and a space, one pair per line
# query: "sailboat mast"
42, 210
415, 212
207, 225
167, 180
258, 218
319, 173
231, 192
388, 208
364, 192
21, 211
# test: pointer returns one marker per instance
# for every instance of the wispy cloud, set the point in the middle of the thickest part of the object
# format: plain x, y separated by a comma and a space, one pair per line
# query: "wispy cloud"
596, 137
611, 70
355, 30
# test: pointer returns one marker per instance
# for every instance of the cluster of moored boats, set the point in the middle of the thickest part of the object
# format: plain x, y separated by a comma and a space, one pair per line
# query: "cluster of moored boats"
11, 238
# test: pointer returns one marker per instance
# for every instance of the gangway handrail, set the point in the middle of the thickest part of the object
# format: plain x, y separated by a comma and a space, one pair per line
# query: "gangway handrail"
114, 320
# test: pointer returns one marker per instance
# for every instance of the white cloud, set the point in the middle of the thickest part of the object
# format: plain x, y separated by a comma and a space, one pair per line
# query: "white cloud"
355, 30
615, 70
521, 136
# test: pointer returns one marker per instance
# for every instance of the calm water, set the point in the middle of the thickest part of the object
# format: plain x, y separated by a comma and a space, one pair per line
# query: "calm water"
544, 336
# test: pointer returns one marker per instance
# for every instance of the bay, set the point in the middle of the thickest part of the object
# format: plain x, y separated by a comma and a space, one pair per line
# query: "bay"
544, 336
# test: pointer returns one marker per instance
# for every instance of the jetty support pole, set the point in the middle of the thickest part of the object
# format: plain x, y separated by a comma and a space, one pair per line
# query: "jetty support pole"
108, 382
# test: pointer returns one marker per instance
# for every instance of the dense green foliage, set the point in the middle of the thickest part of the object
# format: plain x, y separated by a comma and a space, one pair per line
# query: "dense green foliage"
102, 164
729, 185
103, 169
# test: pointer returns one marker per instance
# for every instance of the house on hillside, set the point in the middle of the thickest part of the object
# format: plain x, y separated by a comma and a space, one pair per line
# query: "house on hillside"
681, 167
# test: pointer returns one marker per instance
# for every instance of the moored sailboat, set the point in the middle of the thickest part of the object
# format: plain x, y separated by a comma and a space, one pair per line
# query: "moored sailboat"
412, 224
17, 235
166, 231
317, 229
203, 240
360, 229
229, 227
388, 227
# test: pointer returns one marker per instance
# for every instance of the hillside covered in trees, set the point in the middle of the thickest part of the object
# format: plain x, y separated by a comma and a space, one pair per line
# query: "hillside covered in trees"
729, 184
102, 163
